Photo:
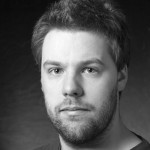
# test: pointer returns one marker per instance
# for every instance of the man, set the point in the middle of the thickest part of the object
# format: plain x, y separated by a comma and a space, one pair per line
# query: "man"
81, 47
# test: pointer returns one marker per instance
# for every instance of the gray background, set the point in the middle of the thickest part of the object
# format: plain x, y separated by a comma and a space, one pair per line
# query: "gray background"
24, 124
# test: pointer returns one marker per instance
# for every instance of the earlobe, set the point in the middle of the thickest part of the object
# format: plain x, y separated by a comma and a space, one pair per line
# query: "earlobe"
122, 78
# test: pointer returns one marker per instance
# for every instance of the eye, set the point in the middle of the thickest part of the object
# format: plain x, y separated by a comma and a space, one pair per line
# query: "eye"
55, 71
89, 70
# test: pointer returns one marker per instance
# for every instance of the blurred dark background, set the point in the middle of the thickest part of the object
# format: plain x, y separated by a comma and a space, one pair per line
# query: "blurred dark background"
24, 124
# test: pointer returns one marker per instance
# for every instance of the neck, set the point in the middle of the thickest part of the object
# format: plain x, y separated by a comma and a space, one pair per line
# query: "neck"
116, 136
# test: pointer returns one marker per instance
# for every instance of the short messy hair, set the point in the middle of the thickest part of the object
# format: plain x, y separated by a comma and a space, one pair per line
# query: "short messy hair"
100, 16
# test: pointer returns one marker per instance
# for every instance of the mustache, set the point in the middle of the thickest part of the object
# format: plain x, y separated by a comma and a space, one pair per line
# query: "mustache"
73, 104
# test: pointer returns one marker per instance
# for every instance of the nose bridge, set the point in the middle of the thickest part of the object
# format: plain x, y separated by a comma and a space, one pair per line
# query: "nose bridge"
72, 84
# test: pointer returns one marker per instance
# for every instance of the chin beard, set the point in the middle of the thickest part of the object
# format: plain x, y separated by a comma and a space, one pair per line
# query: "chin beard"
95, 127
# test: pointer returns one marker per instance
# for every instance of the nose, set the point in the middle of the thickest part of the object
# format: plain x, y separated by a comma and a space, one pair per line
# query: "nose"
72, 86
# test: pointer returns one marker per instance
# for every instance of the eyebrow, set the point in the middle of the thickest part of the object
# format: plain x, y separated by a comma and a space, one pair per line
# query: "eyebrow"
54, 63
84, 62
92, 61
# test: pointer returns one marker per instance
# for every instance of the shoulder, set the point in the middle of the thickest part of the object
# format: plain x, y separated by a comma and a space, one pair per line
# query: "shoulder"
144, 145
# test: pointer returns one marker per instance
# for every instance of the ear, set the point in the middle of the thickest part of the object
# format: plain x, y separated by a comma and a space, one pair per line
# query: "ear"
41, 88
41, 85
122, 78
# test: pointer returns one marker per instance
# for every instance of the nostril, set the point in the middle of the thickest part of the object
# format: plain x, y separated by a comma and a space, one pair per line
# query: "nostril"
75, 92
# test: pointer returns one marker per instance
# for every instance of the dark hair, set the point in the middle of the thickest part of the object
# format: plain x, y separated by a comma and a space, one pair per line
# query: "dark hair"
100, 16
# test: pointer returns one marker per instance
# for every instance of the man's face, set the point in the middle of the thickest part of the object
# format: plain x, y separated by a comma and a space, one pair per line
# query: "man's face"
79, 81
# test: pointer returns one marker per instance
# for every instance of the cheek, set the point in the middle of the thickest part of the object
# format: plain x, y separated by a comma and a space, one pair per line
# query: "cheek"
99, 90
51, 93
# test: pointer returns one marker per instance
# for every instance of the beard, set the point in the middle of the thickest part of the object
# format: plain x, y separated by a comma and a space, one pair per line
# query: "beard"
85, 130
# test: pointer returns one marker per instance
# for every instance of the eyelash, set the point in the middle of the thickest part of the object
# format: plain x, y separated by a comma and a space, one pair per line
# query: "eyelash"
90, 70
50, 71
93, 70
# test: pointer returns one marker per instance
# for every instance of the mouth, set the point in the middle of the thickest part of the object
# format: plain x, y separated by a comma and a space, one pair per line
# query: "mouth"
74, 113
72, 109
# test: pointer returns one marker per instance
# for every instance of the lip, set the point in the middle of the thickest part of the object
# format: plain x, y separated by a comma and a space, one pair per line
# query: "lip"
73, 109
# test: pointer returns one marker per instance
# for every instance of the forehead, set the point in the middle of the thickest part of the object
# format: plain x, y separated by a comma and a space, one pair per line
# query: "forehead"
66, 45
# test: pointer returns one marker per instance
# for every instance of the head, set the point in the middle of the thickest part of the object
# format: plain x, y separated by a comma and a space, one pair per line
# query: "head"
81, 49
99, 16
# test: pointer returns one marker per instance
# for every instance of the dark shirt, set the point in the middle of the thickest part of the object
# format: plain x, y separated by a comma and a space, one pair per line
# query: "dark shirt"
144, 145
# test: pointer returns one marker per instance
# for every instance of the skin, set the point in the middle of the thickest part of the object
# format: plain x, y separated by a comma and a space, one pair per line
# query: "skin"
80, 83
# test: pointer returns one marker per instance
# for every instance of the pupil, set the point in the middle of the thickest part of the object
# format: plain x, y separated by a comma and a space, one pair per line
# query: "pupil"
90, 70
56, 70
